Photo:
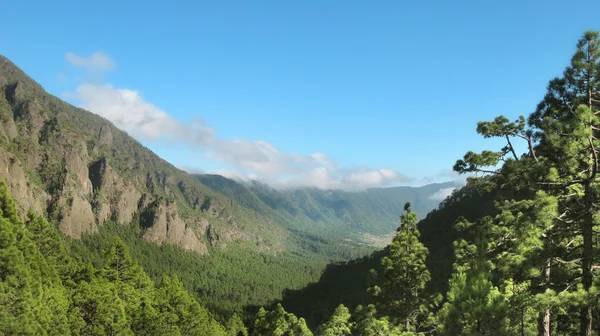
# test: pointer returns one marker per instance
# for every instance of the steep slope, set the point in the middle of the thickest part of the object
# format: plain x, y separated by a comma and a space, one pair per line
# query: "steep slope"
90, 179
81, 171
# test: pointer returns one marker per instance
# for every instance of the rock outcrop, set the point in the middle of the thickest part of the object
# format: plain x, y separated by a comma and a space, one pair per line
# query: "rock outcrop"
113, 198
164, 225
81, 171
27, 195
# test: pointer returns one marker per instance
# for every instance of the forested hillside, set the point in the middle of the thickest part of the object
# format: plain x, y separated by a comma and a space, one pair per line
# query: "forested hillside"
99, 236
96, 183
80, 171
329, 212
514, 252
47, 291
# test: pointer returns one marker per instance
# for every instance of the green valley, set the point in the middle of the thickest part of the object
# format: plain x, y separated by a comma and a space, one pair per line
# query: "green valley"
100, 235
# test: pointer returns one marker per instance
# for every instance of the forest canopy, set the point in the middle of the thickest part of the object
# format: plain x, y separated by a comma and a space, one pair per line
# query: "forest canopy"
515, 252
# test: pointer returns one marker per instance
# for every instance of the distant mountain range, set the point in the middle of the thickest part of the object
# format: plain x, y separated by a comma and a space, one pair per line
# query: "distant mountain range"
81, 171
373, 211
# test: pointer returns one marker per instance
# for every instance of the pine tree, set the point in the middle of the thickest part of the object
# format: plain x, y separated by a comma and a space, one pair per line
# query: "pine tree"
278, 322
17, 286
180, 314
133, 286
405, 275
98, 310
32, 298
339, 324
368, 324
569, 128
51, 245
235, 326
474, 305
562, 160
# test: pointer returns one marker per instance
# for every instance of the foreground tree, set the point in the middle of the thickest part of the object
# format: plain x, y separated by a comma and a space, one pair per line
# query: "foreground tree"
235, 326
339, 324
134, 288
405, 275
475, 306
562, 161
278, 322
368, 324
181, 314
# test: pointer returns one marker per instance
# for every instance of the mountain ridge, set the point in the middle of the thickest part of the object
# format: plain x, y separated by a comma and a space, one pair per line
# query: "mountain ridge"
81, 171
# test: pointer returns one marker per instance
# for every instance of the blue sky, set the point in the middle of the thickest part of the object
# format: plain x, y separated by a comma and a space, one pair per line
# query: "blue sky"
340, 94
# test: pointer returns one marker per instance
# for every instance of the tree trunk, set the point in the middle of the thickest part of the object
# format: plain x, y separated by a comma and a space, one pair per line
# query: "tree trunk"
587, 225
547, 322
544, 326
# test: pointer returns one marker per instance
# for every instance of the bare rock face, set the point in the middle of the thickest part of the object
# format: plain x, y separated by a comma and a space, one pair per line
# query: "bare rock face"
124, 207
165, 226
113, 197
76, 161
33, 116
14, 92
105, 136
60, 168
202, 225
13, 173
76, 217
10, 129
221, 236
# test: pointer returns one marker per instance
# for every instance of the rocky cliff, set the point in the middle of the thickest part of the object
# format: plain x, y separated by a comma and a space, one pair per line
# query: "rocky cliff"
81, 171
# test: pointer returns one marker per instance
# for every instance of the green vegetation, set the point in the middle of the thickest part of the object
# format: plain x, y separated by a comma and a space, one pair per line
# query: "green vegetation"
514, 252
45, 291
400, 286
328, 213
83, 175
227, 281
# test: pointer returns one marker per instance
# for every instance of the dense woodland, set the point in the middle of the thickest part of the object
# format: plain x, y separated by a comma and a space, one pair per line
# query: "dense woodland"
514, 252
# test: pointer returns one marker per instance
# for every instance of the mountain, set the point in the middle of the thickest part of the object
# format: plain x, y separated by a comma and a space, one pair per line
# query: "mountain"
347, 282
352, 215
81, 171
95, 183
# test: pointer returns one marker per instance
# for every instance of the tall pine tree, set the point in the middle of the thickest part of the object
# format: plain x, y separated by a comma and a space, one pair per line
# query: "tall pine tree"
562, 161
402, 283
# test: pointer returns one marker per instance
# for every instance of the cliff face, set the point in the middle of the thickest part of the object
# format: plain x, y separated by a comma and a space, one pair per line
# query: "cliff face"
165, 225
81, 171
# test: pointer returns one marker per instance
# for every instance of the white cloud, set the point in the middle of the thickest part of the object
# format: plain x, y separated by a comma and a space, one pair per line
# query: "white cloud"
458, 179
235, 175
246, 159
441, 194
95, 62
190, 170
369, 178
130, 112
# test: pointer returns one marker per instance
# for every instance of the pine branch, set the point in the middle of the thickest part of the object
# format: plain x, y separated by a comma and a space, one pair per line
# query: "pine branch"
510, 146
564, 184
529, 145
564, 262
485, 171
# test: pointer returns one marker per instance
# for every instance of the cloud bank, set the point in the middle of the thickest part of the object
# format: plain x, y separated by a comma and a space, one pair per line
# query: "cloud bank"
245, 159
441, 194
